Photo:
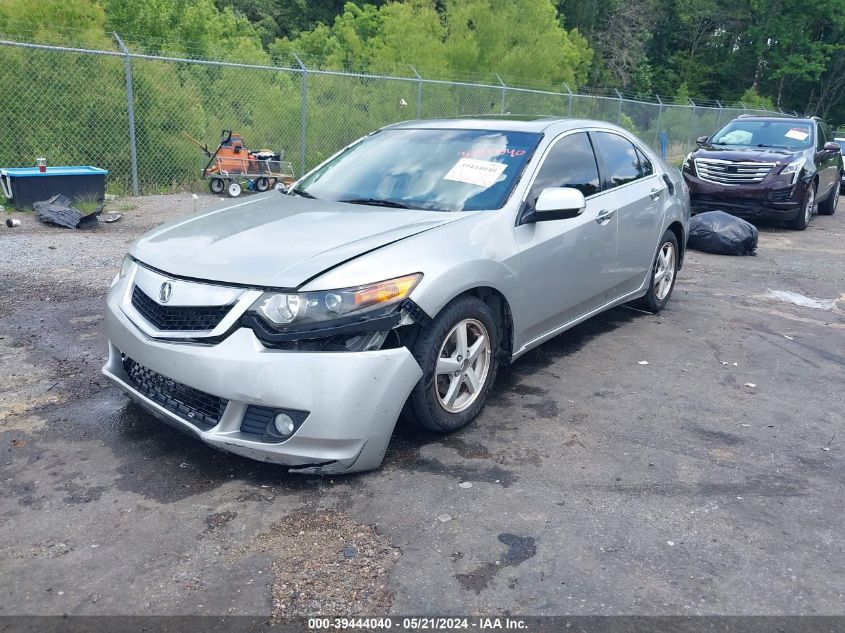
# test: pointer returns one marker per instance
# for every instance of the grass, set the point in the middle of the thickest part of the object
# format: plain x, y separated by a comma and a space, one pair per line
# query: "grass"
86, 206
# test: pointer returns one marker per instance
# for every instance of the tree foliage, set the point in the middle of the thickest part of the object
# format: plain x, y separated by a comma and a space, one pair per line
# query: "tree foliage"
72, 107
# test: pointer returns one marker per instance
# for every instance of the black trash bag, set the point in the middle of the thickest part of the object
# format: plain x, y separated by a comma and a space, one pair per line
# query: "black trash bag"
722, 233
59, 210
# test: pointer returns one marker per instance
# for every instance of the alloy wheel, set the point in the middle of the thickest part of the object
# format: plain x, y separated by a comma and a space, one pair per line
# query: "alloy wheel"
463, 366
808, 208
664, 271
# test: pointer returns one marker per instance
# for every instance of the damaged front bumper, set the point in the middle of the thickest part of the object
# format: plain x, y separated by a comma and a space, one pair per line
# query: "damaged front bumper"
345, 403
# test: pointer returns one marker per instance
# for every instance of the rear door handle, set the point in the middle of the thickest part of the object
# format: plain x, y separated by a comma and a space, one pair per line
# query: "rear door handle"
655, 194
605, 215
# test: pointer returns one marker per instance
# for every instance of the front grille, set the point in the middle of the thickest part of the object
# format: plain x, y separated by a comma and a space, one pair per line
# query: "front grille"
732, 173
178, 318
195, 406
701, 203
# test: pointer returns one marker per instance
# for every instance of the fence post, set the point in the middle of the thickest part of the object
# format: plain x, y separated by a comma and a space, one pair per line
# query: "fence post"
130, 111
659, 117
569, 108
303, 113
504, 88
719, 120
691, 117
619, 111
419, 92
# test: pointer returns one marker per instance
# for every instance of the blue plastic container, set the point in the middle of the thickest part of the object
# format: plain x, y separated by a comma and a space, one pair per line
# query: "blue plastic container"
27, 185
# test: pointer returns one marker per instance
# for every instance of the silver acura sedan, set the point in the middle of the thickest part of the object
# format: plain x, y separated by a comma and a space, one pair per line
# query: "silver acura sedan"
295, 327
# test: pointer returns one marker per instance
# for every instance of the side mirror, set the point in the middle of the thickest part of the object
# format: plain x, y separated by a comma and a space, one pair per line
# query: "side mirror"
557, 203
830, 146
701, 141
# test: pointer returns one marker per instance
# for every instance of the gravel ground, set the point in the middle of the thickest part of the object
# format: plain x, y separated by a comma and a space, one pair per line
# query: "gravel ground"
599, 485
55, 264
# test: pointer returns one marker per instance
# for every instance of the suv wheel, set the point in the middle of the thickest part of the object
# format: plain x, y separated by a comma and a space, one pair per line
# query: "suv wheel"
828, 207
806, 211
457, 353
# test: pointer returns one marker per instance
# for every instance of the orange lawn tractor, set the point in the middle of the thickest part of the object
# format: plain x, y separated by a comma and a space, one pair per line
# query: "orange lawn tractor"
232, 166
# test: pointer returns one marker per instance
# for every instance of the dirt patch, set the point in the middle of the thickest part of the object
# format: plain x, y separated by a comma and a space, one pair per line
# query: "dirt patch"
327, 564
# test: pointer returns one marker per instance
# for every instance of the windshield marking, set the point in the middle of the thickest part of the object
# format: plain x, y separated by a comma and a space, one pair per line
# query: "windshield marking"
472, 171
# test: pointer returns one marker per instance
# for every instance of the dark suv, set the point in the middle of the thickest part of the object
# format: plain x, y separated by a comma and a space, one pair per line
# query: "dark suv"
772, 168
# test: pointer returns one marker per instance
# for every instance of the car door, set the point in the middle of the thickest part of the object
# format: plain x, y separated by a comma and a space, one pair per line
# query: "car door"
639, 195
826, 163
565, 265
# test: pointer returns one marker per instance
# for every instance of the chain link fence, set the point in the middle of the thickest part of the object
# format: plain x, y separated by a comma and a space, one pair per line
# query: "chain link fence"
130, 112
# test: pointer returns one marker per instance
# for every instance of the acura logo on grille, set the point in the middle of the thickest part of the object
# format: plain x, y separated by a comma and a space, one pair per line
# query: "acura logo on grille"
165, 292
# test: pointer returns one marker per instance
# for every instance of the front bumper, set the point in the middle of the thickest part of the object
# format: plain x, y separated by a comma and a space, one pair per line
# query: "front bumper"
353, 399
776, 198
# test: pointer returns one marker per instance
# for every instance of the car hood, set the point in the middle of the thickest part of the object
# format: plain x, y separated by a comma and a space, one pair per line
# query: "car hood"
278, 241
749, 154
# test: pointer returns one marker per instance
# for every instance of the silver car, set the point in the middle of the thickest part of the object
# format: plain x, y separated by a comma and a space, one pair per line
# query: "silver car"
295, 327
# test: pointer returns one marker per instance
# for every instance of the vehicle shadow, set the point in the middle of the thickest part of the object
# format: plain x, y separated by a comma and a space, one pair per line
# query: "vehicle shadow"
408, 439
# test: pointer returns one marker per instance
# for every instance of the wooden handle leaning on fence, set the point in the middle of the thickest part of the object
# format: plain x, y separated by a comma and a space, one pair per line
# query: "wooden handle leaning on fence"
204, 148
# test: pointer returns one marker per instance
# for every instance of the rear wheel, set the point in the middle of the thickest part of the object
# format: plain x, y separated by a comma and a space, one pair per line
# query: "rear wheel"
807, 207
216, 185
663, 273
234, 189
457, 353
262, 184
828, 207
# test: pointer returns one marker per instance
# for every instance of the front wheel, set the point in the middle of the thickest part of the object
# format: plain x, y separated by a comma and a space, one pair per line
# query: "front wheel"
663, 274
800, 222
457, 353
261, 184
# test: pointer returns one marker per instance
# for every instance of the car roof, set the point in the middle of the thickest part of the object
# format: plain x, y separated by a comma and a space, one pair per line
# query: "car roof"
510, 123
786, 119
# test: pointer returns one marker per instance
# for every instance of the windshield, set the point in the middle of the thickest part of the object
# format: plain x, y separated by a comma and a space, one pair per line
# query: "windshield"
441, 170
783, 134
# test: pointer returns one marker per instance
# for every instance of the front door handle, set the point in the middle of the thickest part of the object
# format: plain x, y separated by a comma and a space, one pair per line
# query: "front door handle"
605, 215
655, 194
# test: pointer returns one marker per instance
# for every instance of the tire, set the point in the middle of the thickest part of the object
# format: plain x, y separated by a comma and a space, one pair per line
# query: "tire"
664, 272
261, 184
217, 186
802, 219
234, 189
828, 207
445, 402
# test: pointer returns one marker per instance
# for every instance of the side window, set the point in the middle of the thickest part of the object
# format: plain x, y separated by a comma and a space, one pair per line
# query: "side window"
821, 137
570, 163
646, 168
620, 157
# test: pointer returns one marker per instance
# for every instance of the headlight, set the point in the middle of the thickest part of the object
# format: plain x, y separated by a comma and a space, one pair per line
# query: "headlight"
795, 168
125, 265
328, 305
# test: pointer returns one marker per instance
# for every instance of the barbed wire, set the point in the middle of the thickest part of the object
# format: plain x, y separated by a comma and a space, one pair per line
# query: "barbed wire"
23, 30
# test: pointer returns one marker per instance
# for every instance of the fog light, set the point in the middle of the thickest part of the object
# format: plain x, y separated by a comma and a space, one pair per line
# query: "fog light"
284, 424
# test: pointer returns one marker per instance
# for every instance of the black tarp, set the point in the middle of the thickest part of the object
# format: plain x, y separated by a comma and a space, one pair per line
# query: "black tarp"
59, 210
